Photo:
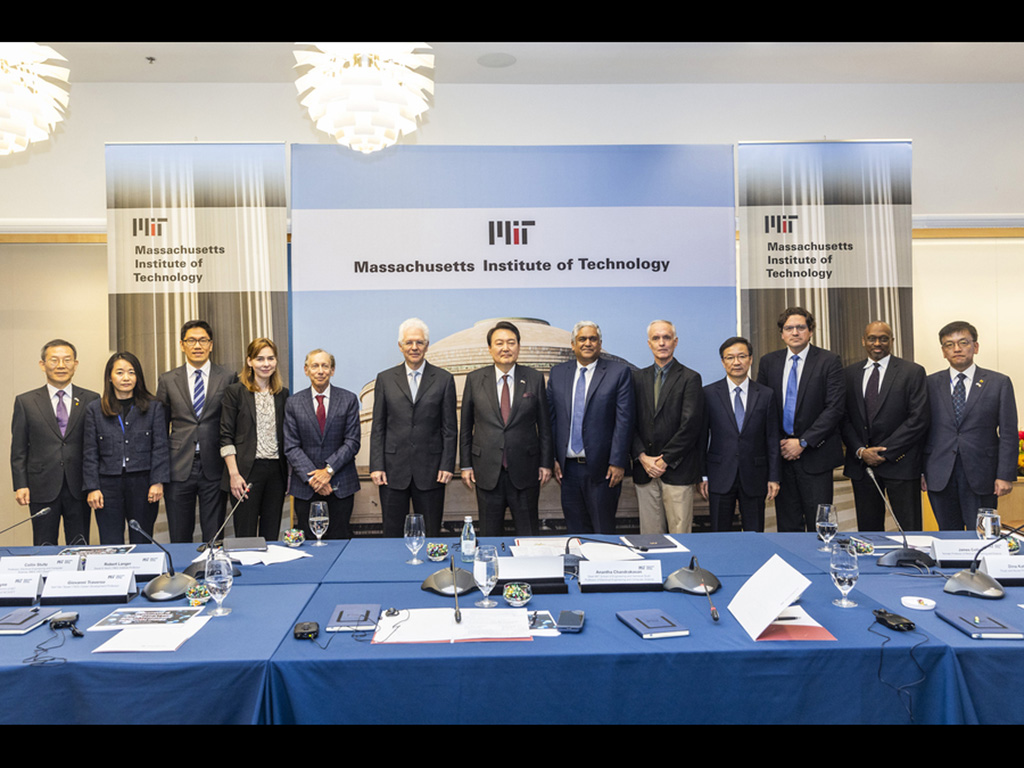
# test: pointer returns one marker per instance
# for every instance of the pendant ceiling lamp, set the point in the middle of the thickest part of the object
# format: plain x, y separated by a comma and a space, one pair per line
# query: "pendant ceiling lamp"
33, 94
365, 95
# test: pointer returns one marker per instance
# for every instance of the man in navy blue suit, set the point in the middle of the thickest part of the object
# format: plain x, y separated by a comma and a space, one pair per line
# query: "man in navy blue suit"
742, 455
971, 455
321, 440
810, 397
591, 402
886, 421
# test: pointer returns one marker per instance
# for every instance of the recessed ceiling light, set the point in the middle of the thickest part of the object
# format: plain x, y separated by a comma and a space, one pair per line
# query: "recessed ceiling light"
496, 60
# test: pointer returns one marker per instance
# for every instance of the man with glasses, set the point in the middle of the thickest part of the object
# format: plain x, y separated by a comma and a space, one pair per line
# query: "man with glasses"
886, 420
414, 434
970, 458
742, 433
192, 395
810, 395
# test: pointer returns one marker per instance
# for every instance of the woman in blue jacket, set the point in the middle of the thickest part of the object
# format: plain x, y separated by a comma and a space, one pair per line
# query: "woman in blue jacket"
126, 458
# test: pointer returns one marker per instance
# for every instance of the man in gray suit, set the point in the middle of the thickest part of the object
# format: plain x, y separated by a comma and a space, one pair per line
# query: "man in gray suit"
191, 395
46, 449
413, 437
970, 459
506, 453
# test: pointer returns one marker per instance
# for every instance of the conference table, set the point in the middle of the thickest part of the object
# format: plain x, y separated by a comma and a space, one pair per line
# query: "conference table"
247, 667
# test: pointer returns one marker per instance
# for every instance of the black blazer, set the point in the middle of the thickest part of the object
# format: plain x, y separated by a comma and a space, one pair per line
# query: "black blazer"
412, 442
238, 428
754, 453
141, 446
525, 440
674, 428
820, 403
41, 459
900, 423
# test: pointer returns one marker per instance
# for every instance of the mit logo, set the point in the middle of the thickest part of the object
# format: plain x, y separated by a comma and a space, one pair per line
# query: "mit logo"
782, 224
148, 227
513, 232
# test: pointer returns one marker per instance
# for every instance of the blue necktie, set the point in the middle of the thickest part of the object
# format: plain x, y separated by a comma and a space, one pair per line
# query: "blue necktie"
789, 408
959, 398
578, 404
739, 409
198, 395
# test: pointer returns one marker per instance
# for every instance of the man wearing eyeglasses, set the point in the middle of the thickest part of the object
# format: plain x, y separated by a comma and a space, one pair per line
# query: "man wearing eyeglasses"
742, 461
886, 420
810, 395
970, 458
192, 395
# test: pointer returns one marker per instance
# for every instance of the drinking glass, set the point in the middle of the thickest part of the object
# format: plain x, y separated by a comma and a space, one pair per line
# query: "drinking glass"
485, 573
988, 525
843, 566
219, 577
827, 525
415, 535
319, 521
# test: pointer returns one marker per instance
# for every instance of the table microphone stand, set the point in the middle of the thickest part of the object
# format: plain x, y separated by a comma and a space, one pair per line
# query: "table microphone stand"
905, 555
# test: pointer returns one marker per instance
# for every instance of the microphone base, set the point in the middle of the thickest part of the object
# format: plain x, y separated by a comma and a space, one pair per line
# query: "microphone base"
898, 558
692, 580
975, 584
167, 587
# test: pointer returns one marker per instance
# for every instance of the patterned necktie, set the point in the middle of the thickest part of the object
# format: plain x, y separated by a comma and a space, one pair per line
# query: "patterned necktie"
959, 398
789, 409
659, 379
739, 409
321, 413
871, 393
62, 413
578, 404
198, 395
414, 384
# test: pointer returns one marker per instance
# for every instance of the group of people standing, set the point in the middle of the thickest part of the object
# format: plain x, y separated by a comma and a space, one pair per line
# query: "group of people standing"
208, 435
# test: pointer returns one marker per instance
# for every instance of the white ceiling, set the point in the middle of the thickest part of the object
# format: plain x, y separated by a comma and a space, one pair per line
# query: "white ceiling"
552, 63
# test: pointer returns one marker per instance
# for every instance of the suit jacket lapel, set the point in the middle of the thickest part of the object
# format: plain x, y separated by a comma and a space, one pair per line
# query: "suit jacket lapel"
977, 389
75, 412
891, 374
599, 371
671, 380
427, 376
46, 409
182, 381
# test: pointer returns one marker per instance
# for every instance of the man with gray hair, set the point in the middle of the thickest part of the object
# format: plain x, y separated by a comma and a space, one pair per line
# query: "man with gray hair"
591, 402
414, 434
666, 442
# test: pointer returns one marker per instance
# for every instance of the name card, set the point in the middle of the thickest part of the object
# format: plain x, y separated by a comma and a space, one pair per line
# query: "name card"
949, 551
145, 564
625, 575
39, 563
20, 588
89, 587
1008, 570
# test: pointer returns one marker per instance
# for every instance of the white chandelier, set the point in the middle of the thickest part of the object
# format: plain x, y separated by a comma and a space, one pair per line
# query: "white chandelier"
33, 94
365, 95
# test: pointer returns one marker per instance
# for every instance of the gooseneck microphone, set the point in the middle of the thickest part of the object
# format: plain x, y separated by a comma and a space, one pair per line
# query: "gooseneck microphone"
904, 555
166, 586
40, 513
971, 582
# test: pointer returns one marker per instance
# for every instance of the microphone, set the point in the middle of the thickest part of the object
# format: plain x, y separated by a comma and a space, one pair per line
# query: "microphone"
458, 613
166, 586
40, 513
972, 583
695, 580
905, 555
209, 545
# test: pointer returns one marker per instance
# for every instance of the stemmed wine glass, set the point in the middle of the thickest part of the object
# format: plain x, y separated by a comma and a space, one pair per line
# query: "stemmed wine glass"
485, 573
219, 577
827, 525
319, 521
843, 566
415, 535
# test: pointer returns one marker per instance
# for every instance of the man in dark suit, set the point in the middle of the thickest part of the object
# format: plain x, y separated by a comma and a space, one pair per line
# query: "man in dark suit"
666, 441
810, 396
506, 451
413, 438
191, 395
886, 420
46, 449
592, 406
321, 440
742, 455
970, 458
